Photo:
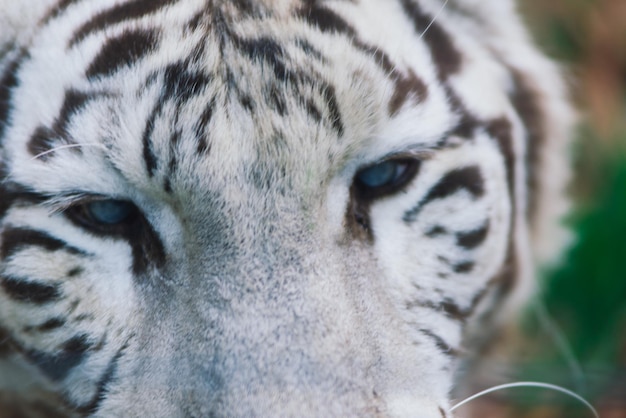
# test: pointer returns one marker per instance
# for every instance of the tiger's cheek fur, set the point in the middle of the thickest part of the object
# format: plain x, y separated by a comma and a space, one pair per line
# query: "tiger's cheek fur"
259, 275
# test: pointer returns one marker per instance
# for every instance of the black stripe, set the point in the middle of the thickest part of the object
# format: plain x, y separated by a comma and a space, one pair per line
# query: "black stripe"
42, 141
505, 279
468, 123
122, 51
75, 271
526, 102
30, 291
436, 231
174, 140
325, 20
179, 84
451, 308
248, 8
201, 131
104, 383
447, 58
8, 83
440, 343
10, 193
309, 49
463, 267
406, 86
146, 245
120, 13
73, 102
15, 239
149, 157
312, 110
500, 130
267, 50
472, 239
467, 178
277, 100
182, 83
328, 92
51, 324
57, 10
57, 366
194, 23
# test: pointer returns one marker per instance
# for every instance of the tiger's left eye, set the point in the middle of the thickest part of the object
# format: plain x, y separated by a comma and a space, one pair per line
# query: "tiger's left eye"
386, 177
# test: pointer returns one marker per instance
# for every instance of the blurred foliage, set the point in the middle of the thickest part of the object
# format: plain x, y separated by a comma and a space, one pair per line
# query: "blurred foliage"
586, 294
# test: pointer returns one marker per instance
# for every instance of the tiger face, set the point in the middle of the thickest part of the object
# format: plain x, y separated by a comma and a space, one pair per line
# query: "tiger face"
271, 208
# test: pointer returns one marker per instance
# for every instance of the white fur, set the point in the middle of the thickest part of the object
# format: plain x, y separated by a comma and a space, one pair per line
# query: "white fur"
270, 299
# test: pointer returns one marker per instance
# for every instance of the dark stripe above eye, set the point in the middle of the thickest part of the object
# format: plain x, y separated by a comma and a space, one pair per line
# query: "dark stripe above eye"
120, 13
122, 51
15, 239
467, 178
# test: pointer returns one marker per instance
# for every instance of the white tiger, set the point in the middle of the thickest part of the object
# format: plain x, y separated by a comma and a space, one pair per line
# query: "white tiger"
266, 207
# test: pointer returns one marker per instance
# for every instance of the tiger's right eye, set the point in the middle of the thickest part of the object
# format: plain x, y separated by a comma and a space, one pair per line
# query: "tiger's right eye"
104, 215
109, 212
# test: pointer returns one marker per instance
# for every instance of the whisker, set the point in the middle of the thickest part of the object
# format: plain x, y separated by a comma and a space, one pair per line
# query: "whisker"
529, 385
443, 6
60, 147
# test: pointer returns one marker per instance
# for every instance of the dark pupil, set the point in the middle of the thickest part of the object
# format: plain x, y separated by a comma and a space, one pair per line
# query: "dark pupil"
109, 211
379, 174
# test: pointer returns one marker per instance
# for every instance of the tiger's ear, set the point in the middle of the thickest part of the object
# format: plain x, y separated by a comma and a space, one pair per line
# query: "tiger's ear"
18, 18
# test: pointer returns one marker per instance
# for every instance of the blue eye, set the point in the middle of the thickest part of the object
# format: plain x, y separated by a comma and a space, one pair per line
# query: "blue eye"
109, 212
380, 174
385, 178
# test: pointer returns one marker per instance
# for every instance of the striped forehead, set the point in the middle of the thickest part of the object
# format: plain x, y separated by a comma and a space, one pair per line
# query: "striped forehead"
279, 83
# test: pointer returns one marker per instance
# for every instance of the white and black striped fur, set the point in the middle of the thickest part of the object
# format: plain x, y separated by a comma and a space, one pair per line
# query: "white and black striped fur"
193, 219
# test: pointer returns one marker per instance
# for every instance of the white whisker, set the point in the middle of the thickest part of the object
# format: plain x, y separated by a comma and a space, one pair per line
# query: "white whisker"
529, 385
60, 147
443, 6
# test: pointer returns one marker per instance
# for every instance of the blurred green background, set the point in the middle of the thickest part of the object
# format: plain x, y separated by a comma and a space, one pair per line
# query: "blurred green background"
579, 341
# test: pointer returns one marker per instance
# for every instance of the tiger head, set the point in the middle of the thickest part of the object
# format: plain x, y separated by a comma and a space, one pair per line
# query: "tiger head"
266, 208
